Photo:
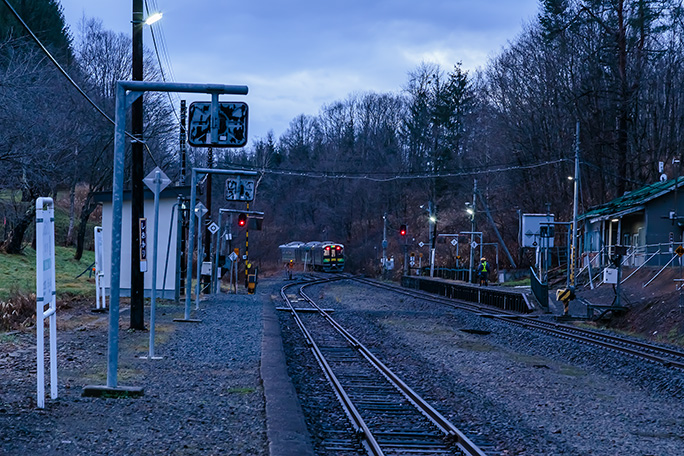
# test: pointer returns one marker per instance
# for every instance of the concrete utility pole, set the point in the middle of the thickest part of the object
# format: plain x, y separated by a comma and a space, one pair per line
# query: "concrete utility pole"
137, 170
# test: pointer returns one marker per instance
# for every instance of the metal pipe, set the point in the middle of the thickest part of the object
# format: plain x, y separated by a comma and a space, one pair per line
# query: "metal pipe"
117, 209
191, 246
200, 258
155, 244
155, 86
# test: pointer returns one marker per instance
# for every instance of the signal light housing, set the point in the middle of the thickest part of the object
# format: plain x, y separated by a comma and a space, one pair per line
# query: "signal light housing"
242, 219
402, 230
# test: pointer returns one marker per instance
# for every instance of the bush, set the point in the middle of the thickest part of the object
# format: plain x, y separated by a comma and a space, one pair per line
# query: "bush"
18, 311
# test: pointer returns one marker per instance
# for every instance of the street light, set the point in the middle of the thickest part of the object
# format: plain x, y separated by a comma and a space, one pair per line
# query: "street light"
471, 210
151, 19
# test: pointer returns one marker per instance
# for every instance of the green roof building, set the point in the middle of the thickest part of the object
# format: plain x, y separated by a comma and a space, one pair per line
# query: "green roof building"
644, 220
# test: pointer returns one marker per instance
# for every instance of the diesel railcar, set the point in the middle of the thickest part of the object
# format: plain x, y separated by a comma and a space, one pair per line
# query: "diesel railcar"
320, 256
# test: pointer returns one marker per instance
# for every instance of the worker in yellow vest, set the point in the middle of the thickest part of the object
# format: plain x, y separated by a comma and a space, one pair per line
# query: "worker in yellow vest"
483, 271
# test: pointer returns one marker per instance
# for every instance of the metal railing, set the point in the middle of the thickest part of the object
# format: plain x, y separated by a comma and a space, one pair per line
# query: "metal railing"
642, 255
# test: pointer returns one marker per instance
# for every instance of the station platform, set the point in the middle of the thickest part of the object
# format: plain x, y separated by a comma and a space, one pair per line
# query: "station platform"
519, 299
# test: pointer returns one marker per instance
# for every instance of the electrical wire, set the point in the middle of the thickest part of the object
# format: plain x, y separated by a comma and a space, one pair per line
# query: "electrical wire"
71, 81
395, 177
159, 56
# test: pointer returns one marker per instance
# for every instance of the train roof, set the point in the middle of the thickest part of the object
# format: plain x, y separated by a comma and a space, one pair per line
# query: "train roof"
308, 245
291, 245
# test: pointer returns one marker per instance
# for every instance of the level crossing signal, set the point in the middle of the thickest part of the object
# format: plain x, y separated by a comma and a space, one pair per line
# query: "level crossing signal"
402, 230
242, 219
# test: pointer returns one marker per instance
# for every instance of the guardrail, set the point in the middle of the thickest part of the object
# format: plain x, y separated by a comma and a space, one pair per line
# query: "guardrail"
540, 290
492, 296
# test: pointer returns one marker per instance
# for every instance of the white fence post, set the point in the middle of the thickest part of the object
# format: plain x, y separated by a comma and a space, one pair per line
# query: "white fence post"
100, 299
45, 295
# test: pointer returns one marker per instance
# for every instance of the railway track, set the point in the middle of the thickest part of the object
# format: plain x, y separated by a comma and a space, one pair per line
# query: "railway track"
387, 415
665, 356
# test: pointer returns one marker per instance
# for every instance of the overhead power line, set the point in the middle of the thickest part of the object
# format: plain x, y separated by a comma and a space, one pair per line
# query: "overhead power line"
69, 78
161, 51
376, 177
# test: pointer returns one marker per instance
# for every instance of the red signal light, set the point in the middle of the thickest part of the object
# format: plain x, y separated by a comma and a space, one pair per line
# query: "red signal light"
339, 248
402, 230
242, 219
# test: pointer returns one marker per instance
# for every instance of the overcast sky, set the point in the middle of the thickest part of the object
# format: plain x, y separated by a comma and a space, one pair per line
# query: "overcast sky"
297, 56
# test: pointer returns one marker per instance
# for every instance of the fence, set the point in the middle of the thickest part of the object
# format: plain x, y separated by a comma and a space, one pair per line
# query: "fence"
503, 299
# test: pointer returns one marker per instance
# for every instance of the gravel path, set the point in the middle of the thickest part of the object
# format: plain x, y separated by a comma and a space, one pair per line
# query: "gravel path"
526, 392
204, 398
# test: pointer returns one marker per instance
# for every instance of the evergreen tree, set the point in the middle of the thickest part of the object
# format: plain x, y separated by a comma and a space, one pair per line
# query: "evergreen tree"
45, 18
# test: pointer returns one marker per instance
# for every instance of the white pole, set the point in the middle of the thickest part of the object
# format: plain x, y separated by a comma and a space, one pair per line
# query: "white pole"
45, 294
200, 258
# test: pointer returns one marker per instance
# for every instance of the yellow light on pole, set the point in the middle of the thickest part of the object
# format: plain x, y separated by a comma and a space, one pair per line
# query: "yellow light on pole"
151, 19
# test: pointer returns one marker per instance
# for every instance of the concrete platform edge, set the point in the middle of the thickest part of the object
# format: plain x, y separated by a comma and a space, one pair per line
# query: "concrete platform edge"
285, 425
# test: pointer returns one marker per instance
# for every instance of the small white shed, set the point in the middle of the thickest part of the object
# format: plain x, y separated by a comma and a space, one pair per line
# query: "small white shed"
168, 256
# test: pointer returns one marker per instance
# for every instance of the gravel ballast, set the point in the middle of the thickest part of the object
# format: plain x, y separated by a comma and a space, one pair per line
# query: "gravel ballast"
520, 391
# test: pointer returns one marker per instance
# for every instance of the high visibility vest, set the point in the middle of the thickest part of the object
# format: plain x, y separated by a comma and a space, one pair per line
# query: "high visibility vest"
484, 266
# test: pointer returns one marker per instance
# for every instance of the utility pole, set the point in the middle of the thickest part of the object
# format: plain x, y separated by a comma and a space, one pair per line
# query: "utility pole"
183, 138
472, 231
384, 245
137, 170
575, 203
433, 237
207, 235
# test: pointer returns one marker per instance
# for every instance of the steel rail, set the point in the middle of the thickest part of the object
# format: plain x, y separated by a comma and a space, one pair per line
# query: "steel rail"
650, 352
361, 428
445, 426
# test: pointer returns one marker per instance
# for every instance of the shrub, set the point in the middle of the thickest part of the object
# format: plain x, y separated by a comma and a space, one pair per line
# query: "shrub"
18, 311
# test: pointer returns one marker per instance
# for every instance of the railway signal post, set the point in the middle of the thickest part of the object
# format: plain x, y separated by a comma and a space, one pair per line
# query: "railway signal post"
126, 93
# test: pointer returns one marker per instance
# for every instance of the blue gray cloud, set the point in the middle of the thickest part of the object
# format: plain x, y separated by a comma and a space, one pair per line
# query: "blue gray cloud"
297, 56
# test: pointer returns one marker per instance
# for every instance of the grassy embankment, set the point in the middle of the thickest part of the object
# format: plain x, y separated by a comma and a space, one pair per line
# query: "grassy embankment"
18, 274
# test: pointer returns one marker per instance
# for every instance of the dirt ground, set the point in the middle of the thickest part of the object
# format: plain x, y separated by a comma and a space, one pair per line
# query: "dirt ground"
203, 394
656, 311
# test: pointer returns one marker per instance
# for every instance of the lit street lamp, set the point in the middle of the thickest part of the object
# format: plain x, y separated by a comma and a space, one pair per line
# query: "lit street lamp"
152, 18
